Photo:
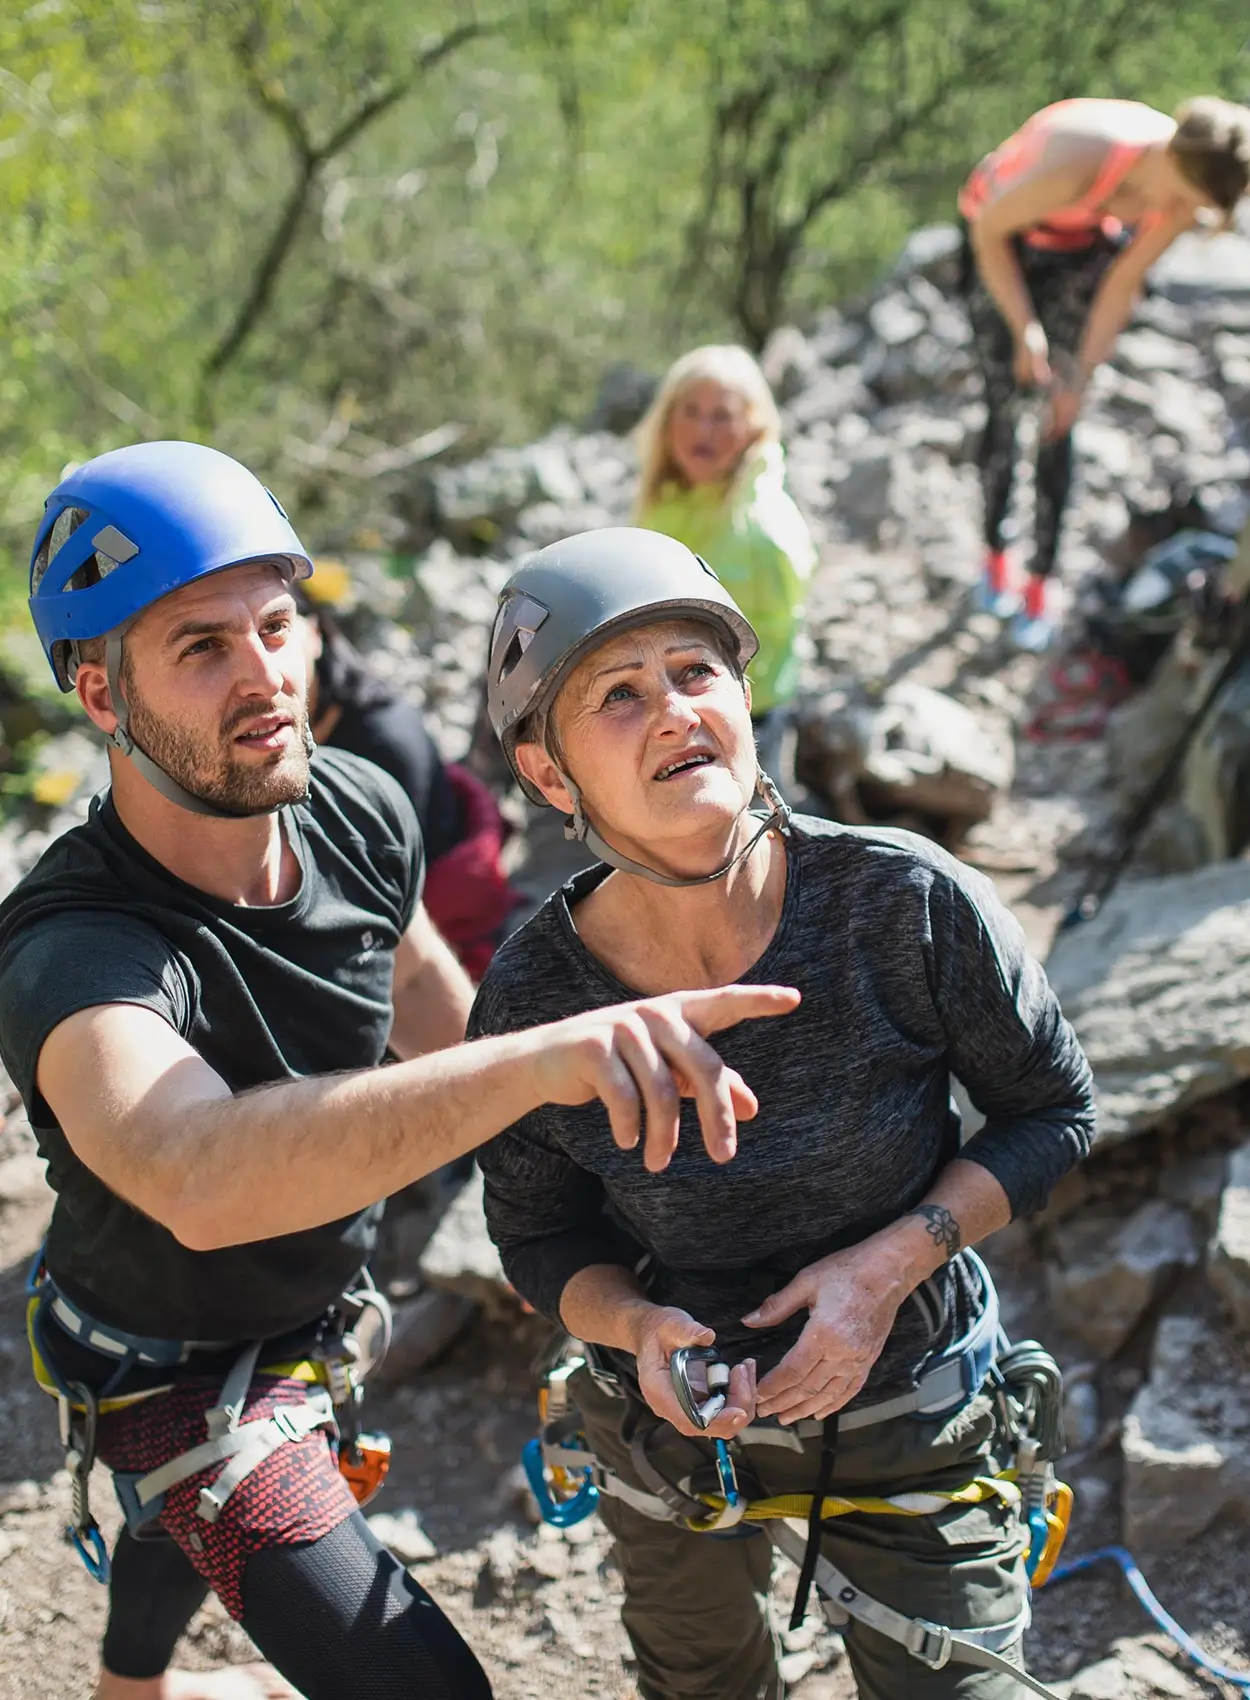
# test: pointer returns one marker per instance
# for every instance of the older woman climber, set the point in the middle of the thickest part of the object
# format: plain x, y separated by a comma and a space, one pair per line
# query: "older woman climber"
1063, 221
825, 1262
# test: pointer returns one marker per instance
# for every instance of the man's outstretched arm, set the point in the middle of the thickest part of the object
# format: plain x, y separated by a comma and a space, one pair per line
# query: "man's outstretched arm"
163, 1130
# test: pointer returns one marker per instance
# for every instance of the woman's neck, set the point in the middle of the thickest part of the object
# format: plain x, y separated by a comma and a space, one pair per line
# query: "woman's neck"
656, 938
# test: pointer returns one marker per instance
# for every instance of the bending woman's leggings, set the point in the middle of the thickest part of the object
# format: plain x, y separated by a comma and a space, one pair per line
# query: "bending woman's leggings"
1062, 286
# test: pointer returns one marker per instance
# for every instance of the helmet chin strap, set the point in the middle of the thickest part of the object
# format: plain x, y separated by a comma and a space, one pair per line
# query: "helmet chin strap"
580, 829
123, 742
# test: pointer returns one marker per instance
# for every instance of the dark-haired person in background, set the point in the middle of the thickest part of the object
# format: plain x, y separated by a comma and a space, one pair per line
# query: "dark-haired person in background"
350, 708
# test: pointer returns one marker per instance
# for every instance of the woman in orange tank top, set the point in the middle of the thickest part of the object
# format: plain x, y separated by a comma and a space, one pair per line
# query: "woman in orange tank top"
1062, 222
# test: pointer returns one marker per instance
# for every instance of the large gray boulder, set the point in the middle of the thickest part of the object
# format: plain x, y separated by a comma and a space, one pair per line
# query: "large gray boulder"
1186, 1438
1157, 986
907, 749
1197, 265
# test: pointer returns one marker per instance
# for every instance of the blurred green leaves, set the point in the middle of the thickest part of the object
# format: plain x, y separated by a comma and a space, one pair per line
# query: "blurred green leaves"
320, 233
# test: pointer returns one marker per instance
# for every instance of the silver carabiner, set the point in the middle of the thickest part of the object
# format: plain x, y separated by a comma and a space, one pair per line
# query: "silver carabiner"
702, 1405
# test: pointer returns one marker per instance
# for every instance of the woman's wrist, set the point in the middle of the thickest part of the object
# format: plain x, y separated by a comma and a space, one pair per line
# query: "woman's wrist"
635, 1320
603, 1304
912, 1249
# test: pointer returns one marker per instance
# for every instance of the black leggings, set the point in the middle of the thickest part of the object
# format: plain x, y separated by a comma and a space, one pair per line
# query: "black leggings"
1062, 286
339, 1617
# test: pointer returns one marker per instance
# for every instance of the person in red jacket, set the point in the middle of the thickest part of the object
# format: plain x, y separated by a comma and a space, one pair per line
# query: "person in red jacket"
1062, 222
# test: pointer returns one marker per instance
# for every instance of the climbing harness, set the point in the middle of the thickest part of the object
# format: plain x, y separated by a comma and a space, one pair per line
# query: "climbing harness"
1166, 1622
567, 1477
341, 1350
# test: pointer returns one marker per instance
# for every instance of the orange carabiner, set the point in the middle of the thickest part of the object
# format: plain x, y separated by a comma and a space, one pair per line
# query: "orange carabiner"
1058, 1516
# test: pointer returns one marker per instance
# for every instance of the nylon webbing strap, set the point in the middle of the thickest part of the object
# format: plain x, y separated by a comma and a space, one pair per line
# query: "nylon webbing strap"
285, 1424
934, 1644
636, 1435
247, 1445
224, 1415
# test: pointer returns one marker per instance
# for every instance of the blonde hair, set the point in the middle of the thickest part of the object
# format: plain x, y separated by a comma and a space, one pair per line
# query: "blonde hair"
717, 363
1211, 148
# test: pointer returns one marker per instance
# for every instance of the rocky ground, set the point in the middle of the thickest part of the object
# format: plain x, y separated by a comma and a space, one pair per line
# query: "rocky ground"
1138, 1274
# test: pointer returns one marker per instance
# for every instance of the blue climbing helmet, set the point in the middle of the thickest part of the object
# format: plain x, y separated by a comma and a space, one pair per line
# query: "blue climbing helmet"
129, 527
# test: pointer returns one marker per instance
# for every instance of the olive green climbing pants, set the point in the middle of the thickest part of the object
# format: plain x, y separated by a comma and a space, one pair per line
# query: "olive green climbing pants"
696, 1604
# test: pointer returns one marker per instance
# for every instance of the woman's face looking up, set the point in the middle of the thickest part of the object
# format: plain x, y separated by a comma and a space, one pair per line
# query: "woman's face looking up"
654, 728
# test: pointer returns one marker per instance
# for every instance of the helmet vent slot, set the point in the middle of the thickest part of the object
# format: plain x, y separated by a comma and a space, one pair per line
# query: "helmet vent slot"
64, 526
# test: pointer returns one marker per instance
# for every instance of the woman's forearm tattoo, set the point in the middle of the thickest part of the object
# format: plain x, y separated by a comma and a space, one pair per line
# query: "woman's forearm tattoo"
941, 1227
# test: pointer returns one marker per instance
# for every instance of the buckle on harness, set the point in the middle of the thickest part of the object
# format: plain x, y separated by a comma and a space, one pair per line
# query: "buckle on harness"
282, 1421
921, 1634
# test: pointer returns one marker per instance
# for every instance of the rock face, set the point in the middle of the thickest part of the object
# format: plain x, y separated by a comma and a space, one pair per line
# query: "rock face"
1157, 986
1186, 1438
1229, 1258
1108, 1276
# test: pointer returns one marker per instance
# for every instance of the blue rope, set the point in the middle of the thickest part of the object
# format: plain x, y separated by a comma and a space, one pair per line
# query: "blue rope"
1167, 1623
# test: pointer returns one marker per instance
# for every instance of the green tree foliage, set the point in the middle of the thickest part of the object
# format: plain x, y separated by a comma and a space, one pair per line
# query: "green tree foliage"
340, 236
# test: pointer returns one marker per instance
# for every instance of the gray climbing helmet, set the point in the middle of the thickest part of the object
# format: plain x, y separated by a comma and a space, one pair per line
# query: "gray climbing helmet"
572, 596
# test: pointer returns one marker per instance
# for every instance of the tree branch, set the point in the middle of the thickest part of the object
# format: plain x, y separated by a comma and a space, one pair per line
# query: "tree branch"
311, 158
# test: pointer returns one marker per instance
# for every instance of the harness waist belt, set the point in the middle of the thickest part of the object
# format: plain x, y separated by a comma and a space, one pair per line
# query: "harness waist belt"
117, 1343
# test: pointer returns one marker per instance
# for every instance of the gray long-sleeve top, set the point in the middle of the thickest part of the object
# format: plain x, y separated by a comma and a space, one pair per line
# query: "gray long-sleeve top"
910, 970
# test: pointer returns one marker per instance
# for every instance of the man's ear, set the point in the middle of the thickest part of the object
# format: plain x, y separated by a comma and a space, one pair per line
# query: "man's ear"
542, 773
746, 691
91, 682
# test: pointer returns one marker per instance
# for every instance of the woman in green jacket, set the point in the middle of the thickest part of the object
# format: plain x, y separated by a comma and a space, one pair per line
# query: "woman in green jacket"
712, 477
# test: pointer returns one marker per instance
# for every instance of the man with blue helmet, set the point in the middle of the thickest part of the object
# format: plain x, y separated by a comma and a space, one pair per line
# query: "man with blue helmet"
195, 988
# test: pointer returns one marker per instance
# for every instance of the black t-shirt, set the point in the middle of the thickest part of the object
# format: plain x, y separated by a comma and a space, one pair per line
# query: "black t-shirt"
392, 733
263, 994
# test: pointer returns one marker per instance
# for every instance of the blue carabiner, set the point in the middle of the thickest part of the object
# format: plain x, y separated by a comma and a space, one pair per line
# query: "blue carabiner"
89, 1544
1039, 1534
561, 1513
727, 1474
